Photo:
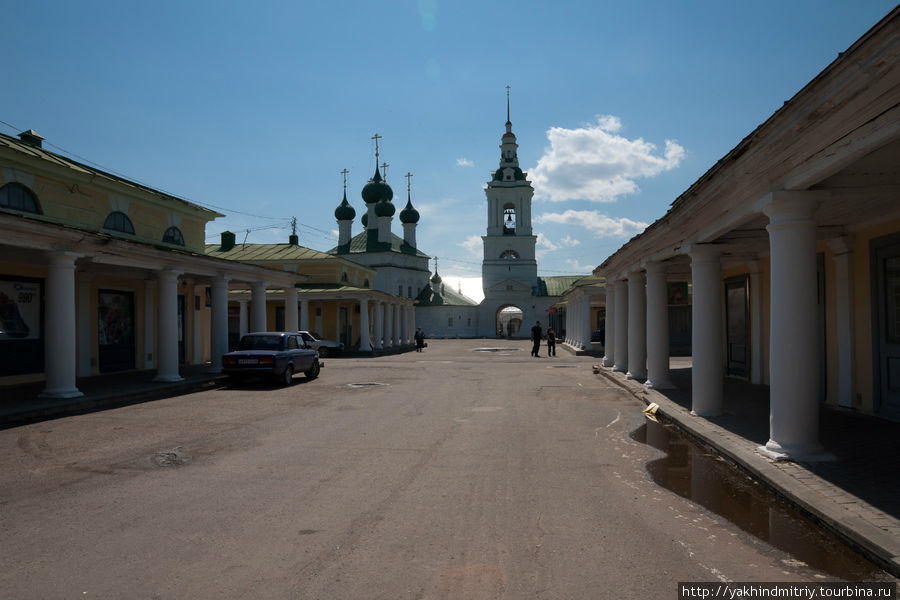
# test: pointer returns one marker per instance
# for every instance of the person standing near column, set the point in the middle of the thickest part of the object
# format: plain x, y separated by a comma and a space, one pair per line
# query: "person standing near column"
420, 339
551, 342
536, 338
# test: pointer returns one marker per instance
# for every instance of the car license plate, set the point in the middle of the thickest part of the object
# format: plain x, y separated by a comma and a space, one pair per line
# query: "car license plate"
247, 361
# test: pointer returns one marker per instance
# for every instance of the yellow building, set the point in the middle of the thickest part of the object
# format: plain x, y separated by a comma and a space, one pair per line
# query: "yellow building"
101, 274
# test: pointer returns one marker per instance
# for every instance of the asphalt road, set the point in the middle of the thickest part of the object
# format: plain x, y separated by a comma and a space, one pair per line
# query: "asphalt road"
461, 474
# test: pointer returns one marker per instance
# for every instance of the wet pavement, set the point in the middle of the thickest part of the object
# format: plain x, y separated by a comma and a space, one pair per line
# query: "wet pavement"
856, 496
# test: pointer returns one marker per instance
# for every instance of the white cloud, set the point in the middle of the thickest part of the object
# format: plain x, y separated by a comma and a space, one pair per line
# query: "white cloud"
471, 286
595, 163
473, 245
578, 267
597, 223
464, 162
569, 242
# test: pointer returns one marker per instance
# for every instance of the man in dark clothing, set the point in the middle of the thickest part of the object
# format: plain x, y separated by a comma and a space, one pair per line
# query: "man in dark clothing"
536, 338
551, 342
420, 339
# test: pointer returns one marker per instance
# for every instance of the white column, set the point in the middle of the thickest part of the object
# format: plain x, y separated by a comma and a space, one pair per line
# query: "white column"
388, 325
218, 325
244, 321
196, 324
755, 325
411, 323
378, 310
59, 333
395, 329
576, 329
364, 345
149, 323
84, 323
586, 325
318, 321
609, 336
304, 315
290, 309
843, 281
258, 306
167, 326
794, 336
706, 332
657, 328
621, 327
637, 325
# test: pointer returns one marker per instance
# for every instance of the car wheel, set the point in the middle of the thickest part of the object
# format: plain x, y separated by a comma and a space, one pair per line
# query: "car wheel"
287, 378
313, 371
323, 352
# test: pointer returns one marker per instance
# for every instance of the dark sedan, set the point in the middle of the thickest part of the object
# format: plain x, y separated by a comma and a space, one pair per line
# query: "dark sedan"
271, 354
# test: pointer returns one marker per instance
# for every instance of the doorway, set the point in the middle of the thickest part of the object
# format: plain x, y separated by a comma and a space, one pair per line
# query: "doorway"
115, 331
509, 321
737, 318
886, 324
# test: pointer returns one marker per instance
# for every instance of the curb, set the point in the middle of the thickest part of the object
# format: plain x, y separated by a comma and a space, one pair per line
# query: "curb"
879, 546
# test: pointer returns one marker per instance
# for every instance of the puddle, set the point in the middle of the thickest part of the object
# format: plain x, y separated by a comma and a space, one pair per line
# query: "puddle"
561, 367
497, 350
695, 473
365, 384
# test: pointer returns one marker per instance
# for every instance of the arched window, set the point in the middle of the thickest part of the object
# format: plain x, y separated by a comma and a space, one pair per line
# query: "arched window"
119, 221
509, 255
509, 220
173, 236
18, 197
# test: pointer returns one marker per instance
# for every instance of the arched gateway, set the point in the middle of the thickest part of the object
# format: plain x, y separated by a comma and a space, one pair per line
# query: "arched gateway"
509, 321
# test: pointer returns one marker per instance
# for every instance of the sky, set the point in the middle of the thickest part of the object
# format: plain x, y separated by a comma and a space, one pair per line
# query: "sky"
254, 109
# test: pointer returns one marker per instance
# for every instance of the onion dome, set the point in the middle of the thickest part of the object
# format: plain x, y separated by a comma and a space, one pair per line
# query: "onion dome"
409, 214
365, 220
344, 212
385, 208
437, 278
377, 189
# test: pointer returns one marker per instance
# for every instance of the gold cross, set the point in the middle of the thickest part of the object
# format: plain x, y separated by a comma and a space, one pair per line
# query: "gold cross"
384, 167
344, 173
376, 137
408, 175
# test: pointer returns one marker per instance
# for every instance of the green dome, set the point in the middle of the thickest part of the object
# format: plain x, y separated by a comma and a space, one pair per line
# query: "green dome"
377, 189
409, 214
385, 208
365, 220
344, 212
436, 278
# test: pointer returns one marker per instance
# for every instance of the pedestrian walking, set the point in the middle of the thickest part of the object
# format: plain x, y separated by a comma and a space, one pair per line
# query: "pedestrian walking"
536, 338
420, 339
551, 342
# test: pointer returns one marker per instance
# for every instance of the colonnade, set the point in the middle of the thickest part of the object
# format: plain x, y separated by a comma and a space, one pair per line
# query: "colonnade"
578, 321
637, 330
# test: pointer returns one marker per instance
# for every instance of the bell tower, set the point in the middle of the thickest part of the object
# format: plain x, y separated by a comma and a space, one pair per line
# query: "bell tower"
509, 263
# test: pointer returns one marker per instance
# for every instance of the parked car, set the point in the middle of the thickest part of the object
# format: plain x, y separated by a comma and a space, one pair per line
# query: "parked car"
324, 347
271, 354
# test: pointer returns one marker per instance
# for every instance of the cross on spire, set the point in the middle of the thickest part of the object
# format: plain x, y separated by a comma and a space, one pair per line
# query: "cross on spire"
408, 175
507, 104
344, 173
384, 167
376, 137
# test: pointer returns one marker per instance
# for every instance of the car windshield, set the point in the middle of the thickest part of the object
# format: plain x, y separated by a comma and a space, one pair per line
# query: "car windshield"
315, 335
261, 342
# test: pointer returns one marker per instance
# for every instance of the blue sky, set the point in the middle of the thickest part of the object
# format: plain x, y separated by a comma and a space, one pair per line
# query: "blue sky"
255, 108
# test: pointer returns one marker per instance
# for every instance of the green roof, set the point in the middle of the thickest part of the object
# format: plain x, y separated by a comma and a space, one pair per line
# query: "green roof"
427, 297
559, 285
359, 243
266, 252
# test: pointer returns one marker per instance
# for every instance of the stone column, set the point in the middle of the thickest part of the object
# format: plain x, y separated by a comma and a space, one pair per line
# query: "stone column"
706, 332
364, 344
149, 323
755, 325
196, 324
843, 282
388, 325
411, 327
258, 306
586, 325
290, 309
378, 310
395, 329
304, 315
59, 333
244, 320
167, 326
657, 328
609, 336
84, 323
621, 327
218, 323
794, 335
637, 325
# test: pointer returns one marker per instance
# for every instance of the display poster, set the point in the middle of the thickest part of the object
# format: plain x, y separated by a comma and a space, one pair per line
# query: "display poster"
115, 325
20, 310
677, 292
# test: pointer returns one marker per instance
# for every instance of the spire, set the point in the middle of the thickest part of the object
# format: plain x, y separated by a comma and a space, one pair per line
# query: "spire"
508, 122
409, 214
